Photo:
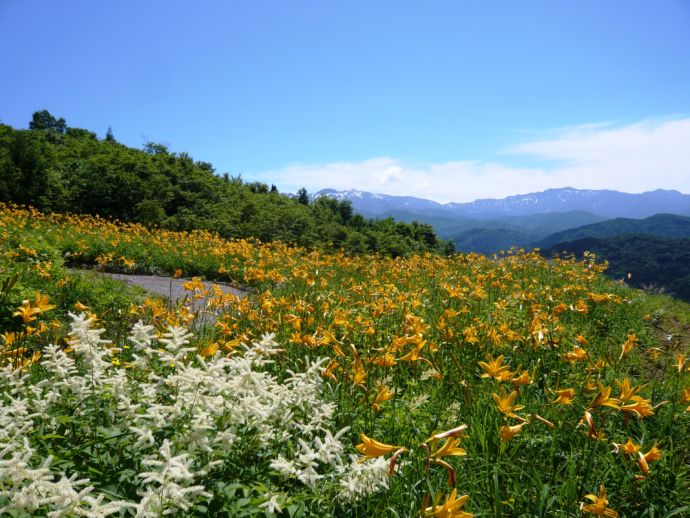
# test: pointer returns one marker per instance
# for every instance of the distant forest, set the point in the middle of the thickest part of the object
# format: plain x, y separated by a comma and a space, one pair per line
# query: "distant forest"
654, 263
56, 168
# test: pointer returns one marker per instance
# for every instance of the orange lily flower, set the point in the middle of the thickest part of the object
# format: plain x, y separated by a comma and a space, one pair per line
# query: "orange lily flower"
494, 368
371, 448
565, 396
508, 432
506, 403
603, 398
451, 507
685, 398
383, 394
629, 447
599, 505
450, 448
628, 345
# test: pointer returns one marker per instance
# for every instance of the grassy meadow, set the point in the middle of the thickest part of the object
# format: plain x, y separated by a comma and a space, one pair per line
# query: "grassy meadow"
343, 385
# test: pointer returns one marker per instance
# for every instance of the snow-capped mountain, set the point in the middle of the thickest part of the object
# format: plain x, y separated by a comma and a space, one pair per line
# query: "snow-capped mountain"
607, 203
373, 205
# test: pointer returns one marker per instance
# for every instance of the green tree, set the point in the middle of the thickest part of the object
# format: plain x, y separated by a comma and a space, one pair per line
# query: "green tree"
30, 175
303, 196
43, 120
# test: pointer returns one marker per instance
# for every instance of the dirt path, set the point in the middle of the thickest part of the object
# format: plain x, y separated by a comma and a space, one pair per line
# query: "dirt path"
167, 286
171, 288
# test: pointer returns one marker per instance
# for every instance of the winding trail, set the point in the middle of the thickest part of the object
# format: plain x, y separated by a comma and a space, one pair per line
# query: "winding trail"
171, 288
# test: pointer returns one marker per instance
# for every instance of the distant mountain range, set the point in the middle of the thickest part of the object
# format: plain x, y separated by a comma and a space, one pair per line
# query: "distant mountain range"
540, 219
604, 203
645, 237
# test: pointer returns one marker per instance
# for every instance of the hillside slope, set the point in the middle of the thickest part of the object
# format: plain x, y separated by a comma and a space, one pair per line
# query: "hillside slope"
57, 168
661, 225
643, 261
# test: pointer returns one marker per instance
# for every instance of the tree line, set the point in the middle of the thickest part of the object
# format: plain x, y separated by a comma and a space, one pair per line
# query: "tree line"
56, 168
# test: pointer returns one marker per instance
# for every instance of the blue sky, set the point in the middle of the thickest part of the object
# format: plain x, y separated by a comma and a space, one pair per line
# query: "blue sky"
445, 100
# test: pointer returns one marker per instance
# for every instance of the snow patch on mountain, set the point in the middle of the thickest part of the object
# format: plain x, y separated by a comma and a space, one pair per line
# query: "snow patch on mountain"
606, 203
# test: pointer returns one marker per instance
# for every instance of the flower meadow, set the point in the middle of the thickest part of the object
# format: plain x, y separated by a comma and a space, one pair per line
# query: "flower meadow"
341, 385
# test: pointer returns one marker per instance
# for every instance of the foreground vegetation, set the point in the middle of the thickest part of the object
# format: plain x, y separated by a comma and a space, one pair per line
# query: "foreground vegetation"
343, 385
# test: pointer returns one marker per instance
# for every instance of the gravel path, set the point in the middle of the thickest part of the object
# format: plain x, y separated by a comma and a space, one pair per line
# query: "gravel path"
169, 287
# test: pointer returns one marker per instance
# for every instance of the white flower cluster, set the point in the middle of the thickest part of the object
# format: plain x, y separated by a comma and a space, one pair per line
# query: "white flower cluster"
364, 478
29, 489
183, 414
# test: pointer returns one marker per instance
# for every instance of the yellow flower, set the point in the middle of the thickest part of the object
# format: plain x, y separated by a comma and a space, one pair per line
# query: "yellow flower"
41, 303
451, 508
522, 379
414, 354
81, 307
209, 350
543, 420
577, 354
629, 447
653, 454
371, 448
628, 392
385, 360
328, 372
359, 374
603, 398
643, 460
639, 406
508, 432
581, 340
494, 368
592, 432
450, 448
27, 312
10, 337
685, 398
599, 505
195, 284
628, 345
506, 403
15, 352
383, 394
565, 396
453, 432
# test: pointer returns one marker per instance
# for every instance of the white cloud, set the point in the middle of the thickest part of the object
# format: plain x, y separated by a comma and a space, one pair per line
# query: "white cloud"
638, 157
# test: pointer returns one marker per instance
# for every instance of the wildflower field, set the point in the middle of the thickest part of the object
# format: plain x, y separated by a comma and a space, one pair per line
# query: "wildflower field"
340, 386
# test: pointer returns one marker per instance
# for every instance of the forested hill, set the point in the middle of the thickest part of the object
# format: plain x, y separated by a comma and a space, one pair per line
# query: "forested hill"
60, 169
644, 261
660, 225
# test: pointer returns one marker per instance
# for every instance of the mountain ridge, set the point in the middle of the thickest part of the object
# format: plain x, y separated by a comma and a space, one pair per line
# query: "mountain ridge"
541, 219
604, 202
660, 225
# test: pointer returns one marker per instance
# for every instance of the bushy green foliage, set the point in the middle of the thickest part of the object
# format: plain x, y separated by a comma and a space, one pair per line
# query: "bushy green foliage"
56, 168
